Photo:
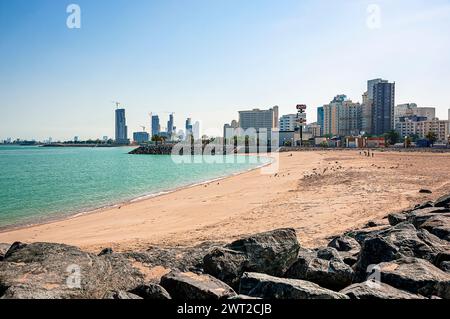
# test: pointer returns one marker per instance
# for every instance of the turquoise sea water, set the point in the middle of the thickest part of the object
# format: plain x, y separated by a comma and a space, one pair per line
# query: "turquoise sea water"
39, 183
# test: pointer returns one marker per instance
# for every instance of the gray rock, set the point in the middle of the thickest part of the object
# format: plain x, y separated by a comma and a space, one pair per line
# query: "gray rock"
438, 226
417, 276
360, 235
55, 271
443, 201
424, 205
347, 247
396, 218
332, 274
399, 241
271, 252
300, 266
445, 266
3, 249
191, 286
151, 291
345, 243
14, 247
106, 251
120, 295
243, 297
226, 264
268, 287
417, 218
328, 253
371, 290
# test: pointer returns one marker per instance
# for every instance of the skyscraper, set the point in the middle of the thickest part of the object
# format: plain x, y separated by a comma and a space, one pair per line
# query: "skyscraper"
156, 128
170, 125
341, 117
188, 127
320, 119
367, 106
383, 107
121, 127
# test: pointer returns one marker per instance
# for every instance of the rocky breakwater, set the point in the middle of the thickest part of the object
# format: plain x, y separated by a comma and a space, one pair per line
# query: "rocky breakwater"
407, 258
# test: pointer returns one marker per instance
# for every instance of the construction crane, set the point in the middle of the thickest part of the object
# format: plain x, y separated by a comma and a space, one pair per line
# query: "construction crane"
116, 103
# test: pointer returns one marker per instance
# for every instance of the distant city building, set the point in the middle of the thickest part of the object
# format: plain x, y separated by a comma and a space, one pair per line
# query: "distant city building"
259, 119
342, 117
403, 110
170, 127
288, 122
367, 121
75, 139
428, 112
188, 127
407, 125
229, 130
320, 120
439, 127
121, 127
311, 130
383, 107
141, 137
156, 128
197, 130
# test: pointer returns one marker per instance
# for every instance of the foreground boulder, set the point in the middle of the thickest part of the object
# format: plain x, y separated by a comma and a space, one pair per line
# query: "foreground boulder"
151, 292
403, 240
443, 201
347, 247
438, 226
270, 252
191, 286
55, 271
417, 276
324, 267
3, 249
120, 295
371, 290
268, 287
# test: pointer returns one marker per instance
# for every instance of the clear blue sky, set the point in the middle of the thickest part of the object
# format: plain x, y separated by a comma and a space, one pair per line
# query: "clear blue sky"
208, 58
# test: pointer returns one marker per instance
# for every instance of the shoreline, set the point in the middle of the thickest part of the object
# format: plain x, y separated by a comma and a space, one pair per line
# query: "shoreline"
69, 216
319, 194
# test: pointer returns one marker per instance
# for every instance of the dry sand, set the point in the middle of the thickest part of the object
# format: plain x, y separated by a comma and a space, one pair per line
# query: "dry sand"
320, 194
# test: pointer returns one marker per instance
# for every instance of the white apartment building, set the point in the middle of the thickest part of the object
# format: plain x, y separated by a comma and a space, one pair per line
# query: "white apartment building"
288, 122
439, 127
259, 119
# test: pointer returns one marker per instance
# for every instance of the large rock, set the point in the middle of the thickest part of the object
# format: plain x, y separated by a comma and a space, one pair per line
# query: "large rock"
417, 218
345, 243
120, 295
362, 234
270, 252
417, 276
326, 269
3, 249
396, 218
151, 291
55, 271
399, 241
268, 287
347, 247
443, 201
372, 290
438, 226
191, 286
226, 264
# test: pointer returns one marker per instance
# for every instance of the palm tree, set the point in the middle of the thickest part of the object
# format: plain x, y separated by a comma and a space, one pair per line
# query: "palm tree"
431, 137
391, 137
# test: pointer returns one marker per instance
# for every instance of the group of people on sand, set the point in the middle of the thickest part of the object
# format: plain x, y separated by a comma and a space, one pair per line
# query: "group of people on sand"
367, 153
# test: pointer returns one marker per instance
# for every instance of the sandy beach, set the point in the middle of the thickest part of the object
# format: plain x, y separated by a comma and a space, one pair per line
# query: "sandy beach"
319, 193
